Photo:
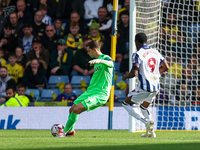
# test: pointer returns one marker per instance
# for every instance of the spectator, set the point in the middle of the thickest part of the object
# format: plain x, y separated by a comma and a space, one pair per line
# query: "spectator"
14, 69
165, 5
91, 8
182, 95
50, 4
80, 60
2, 19
8, 7
38, 52
123, 35
75, 17
23, 14
61, 59
120, 50
123, 27
174, 67
21, 58
5, 81
196, 96
124, 65
108, 4
28, 37
38, 25
180, 8
17, 25
21, 90
196, 49
46, 19
34, 76
105, 23
170, 29
2, 60
162, 98
49, 39
95, 34
126, 7
182, 47
188, 77
168, 82
8, 42
67, 96
194, 65
29, 5
59, 27
74, 39
64, 8
14, 100
78, 6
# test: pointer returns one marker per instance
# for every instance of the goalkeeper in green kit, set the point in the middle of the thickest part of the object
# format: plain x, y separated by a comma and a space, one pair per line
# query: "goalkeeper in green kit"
98, 91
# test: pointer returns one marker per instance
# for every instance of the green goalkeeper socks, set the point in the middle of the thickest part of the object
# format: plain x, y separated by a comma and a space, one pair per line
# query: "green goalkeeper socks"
72, 127
71, 122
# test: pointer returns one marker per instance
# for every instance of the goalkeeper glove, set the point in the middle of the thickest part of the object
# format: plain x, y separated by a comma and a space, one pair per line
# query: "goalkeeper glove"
95, 61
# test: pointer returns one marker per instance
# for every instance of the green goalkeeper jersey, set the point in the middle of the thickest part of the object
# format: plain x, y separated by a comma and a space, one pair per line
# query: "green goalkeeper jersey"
102, 79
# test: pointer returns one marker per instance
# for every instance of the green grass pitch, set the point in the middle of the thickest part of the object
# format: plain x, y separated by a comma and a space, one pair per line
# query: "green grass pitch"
98, 140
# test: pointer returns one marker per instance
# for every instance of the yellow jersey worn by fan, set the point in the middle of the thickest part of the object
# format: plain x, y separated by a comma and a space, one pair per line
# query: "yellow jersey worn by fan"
15, 71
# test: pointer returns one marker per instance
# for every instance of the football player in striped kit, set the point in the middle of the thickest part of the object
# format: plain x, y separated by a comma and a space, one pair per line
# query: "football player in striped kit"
148, 64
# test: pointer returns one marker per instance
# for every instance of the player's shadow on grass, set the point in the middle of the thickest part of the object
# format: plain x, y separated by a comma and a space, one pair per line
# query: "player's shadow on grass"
153, 146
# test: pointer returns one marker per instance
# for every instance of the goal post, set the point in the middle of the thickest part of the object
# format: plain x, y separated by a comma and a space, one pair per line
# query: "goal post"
173, 28
144, 17
132, 49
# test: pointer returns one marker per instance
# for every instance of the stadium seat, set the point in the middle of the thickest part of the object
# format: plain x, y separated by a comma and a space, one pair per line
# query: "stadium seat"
120, 95
36, 94
193, 30
78, 91
54, 79
47, 94
183, 26
76, 81
117, 67
119, 78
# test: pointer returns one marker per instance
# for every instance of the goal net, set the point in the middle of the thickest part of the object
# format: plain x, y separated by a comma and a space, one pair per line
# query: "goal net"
172, 26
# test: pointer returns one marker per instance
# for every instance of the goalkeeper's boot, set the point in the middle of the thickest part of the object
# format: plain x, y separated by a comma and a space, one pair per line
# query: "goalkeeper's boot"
71, 133
149, 127
150, 135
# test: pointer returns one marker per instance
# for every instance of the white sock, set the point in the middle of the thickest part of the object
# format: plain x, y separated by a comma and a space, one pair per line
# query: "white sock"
146, 113
133, 111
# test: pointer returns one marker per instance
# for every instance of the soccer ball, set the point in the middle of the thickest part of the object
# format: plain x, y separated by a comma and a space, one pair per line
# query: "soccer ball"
56, 128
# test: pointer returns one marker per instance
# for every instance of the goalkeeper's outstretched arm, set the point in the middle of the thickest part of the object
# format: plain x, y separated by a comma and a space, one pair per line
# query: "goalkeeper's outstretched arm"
108, 63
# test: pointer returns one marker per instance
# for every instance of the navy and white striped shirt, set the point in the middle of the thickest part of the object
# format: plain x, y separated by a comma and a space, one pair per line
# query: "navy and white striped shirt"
149, 61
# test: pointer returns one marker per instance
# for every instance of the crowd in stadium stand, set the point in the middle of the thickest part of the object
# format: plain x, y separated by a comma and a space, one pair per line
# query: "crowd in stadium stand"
179, 43
40, 38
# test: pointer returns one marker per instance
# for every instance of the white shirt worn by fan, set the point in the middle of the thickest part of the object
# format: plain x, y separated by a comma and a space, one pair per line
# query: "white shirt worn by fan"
47, 20
91, 8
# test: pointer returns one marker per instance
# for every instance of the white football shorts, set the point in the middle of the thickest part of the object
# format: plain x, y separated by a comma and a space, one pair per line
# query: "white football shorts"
138, 95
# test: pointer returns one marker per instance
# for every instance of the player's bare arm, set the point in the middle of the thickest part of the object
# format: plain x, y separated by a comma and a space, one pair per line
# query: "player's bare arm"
163, 67
132, 73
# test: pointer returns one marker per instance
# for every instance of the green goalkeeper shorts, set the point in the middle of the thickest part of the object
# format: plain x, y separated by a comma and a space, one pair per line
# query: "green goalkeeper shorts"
91, 101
